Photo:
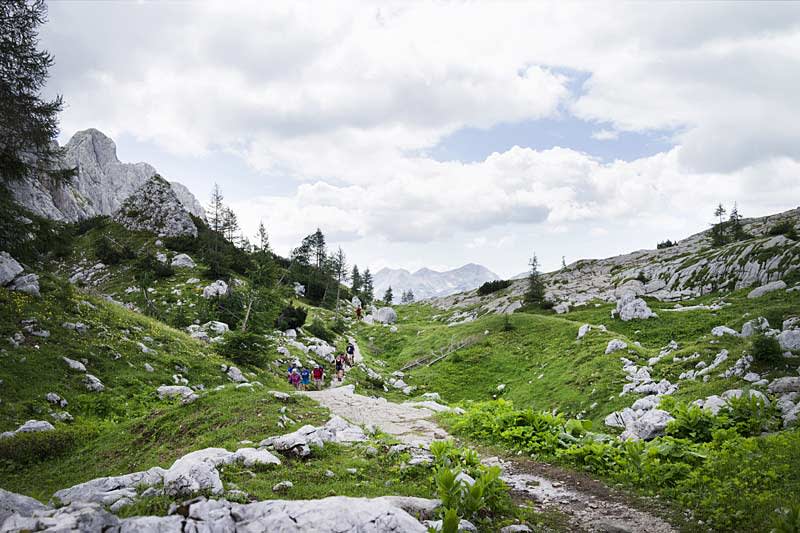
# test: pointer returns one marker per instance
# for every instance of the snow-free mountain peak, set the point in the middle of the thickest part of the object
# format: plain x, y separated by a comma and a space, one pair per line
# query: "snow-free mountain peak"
428, 283
100, 186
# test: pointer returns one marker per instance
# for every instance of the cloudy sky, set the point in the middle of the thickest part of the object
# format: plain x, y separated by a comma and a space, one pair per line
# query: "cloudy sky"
436, 134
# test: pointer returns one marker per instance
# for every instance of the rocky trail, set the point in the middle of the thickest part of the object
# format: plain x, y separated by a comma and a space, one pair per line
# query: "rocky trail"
588, 504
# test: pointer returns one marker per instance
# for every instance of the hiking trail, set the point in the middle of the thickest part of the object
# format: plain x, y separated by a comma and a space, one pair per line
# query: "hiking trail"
588, 504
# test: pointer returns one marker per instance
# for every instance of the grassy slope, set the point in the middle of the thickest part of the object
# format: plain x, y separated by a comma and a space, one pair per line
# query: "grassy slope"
545, 367
127, 428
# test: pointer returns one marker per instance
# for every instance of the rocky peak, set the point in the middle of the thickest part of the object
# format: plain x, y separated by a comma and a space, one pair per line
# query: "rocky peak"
155, 207
100, 186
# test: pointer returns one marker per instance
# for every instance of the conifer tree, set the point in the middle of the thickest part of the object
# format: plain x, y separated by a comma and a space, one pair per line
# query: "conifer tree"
28, 123
356, 281
367, 290
388, 296
535, 293
216, 209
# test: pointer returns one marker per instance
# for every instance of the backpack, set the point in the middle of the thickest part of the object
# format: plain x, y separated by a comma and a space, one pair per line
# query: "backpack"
350, 349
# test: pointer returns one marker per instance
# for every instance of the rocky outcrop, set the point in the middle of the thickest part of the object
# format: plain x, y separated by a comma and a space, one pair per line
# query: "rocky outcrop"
328, 515
101, 185
12, 278
154, 207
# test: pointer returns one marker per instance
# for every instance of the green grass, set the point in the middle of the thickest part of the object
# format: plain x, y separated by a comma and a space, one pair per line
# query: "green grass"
543, 365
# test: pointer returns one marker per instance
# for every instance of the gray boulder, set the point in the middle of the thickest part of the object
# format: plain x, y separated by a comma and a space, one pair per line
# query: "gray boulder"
31, 426
783, 385
28, 283
251, 457
385, 315
109, 490
92, 383
650, 425
196, 472
615, 345
182, 261
719, 331
757, 325
789, 339
632, 308
767, 288
74, 365
11, 503
217, 289
186, 394
9, 268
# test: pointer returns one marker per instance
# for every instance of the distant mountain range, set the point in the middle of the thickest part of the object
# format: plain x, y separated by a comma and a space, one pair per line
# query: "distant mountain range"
427, 283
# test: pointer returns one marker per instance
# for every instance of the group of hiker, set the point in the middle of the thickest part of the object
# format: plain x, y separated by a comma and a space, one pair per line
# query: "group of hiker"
301, 377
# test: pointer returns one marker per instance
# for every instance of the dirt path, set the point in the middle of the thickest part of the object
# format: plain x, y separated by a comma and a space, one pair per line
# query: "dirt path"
588, 504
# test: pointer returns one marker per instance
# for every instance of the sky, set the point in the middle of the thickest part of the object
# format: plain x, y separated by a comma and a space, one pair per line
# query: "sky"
432, 135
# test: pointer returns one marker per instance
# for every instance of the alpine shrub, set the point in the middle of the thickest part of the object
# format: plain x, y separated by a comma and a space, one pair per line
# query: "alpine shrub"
291, 318
764, 348
493, 286
244, 348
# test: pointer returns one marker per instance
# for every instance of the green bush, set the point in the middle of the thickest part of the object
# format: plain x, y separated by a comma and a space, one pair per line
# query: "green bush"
28, 448
111, 252
765, 348
493, 286
785, 228
693, 423
317, 328
244, 348
150, 264
291, 318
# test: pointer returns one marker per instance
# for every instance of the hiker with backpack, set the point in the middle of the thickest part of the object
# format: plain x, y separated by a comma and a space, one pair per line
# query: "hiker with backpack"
340, 367
295, 379
305, 378
351, 351
318, 376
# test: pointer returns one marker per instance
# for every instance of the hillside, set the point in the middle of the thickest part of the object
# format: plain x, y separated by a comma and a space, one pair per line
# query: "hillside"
426, 283
122, 350
690, 268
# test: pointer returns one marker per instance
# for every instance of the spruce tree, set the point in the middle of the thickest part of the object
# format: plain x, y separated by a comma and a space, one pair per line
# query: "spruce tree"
28, 123
356, 281
367, 291
216, 209
535, 293
388, 296
338, 264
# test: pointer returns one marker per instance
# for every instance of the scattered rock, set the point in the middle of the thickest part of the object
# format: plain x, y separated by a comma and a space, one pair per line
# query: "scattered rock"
55, 399
785, 384
765, 289
615, 345
93, 383
186, 394
283, 486
74, 365
217, 289
182, 261
31, 426
631, 308
719, 331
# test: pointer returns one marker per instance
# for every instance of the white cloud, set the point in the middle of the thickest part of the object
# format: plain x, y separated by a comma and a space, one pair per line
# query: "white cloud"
344, 99
605, 135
